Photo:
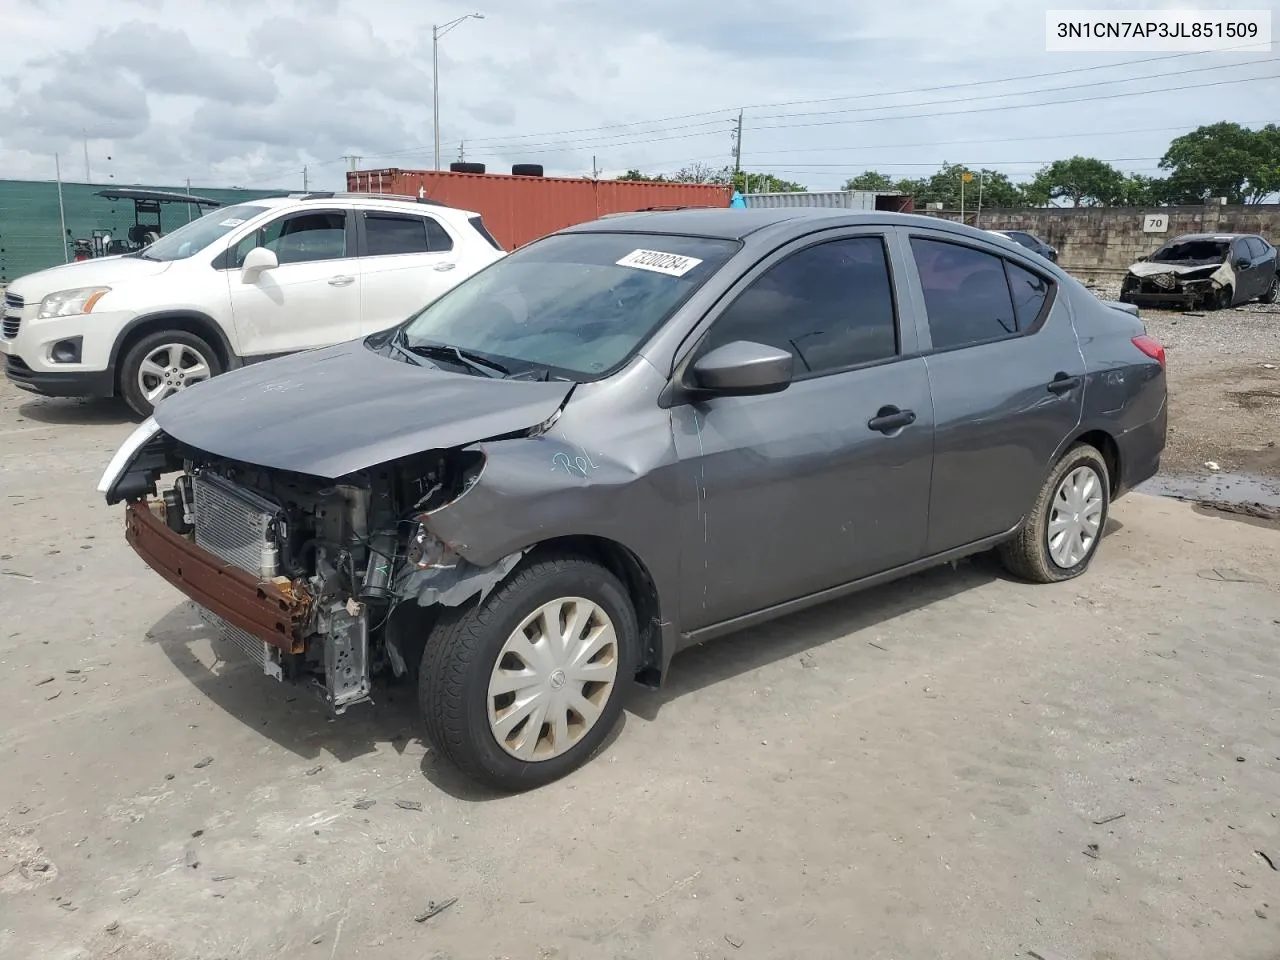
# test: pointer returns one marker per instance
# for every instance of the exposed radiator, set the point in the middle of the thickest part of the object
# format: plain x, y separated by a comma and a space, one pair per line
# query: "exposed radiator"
255, 650
234, 523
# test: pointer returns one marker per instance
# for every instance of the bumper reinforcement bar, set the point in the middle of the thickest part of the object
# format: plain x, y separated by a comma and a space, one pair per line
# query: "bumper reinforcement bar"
275, 611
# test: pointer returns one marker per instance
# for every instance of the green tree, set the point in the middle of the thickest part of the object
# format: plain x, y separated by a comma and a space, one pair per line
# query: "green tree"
943, 187
869, 180
704, 173
1224, 160
1082, 180
1142, 191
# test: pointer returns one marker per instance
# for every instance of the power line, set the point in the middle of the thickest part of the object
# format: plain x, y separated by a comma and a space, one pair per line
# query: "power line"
864, 96
554, 146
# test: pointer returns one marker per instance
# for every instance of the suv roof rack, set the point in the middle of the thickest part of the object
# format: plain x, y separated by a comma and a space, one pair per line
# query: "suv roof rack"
331, 194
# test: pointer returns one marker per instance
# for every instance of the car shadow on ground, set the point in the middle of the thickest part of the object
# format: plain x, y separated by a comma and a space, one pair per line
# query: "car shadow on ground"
78, 412
298, 721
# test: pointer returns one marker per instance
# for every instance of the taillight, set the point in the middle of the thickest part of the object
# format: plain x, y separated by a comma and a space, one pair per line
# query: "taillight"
1151, 347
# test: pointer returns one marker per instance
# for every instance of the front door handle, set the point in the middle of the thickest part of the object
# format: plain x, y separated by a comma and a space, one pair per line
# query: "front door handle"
1063, 383
890, 418
442, 267
341, 281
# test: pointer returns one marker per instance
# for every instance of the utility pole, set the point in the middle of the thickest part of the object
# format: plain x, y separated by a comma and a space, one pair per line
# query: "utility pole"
962, 196
304, 179
595, 170
462, 151
977, 220
737, 148
438, 31
62, 216
87, 179
188, 194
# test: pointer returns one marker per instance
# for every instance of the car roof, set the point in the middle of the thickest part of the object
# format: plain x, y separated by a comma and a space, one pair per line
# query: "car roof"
1210, 236
377, 201
725, 223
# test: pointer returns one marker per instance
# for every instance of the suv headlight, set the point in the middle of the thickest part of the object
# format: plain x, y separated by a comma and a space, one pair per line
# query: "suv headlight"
67, 303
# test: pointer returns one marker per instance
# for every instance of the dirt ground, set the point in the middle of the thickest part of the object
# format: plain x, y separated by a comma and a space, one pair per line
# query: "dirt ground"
1224, 396
920, 771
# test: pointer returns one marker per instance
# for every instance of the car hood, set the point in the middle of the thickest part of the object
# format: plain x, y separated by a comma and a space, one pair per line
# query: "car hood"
99, 272
335, 410
1149, 268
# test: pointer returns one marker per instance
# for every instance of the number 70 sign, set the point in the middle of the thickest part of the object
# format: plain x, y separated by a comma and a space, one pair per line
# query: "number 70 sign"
1155, 223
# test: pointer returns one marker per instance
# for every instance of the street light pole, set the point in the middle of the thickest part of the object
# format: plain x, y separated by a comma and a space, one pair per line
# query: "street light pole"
438, 31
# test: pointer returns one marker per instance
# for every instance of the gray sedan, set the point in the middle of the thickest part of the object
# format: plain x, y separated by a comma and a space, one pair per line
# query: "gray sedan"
632, 436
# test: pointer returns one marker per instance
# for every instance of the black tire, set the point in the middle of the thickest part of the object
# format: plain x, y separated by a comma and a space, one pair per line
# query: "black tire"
526, 169
1026, 555
461, 651
1273, 291
127, 376
463, 167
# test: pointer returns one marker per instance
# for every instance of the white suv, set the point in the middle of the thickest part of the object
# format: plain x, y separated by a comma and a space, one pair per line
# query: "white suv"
243, 283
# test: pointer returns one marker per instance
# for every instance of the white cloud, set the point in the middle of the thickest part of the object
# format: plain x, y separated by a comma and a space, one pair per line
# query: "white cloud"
239, 92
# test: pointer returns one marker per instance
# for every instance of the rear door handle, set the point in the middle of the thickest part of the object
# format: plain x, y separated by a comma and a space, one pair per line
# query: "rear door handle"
341, 281
890, 418
1062, 383
442, 267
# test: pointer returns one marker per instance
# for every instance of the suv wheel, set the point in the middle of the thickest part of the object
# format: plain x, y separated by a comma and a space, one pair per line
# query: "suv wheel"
162, 364
1062, 532
523, 687
1273, 291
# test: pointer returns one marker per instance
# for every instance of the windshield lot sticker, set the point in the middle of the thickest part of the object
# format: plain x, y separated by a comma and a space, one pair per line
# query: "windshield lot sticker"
672, 264
231, 222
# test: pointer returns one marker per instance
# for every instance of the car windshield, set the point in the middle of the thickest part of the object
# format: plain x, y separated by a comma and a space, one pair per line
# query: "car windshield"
578, 304
1192, 251
191, 238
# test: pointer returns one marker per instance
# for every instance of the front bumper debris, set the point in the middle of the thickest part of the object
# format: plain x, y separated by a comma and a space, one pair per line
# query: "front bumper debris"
275, 611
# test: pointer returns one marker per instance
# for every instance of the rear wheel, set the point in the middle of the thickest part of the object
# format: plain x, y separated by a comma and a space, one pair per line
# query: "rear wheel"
522, 688
1062, 532
1273, 291
162, 364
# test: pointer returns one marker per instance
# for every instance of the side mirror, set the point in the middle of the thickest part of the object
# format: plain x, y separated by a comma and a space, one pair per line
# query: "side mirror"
742, 369
1142, 259
255, 261
1243, 263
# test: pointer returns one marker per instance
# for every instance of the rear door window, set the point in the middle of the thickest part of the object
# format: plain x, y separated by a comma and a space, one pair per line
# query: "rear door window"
392, 234
966, 294
1257, 246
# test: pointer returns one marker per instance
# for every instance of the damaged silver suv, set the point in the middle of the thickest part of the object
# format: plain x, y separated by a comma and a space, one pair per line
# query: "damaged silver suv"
632, 436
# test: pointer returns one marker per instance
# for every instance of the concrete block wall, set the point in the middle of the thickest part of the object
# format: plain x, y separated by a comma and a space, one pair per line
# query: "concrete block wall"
1103, 241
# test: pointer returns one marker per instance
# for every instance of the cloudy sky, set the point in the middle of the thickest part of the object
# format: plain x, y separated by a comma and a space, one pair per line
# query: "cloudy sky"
247, 93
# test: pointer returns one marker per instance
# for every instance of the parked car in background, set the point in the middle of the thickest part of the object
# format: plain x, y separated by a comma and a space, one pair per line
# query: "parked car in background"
632, 436
1031, 242
240, 284
1209, 270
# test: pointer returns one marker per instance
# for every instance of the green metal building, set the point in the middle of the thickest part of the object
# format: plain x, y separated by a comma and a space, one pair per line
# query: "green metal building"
30, 229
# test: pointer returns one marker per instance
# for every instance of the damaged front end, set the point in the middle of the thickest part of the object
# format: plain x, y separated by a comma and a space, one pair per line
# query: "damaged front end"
302, 573
1191, 286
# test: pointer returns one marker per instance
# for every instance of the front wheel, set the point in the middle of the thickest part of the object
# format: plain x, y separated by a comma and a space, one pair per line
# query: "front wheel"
1062, 532
523, 687
1273, 291
162, 364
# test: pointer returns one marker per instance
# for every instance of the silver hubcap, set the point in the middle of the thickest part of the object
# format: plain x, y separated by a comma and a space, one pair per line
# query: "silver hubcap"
552, 679
170, 368
1075, 518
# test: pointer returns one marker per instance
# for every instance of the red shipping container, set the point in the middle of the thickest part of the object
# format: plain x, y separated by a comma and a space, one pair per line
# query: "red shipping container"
520, 209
